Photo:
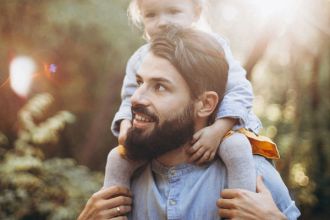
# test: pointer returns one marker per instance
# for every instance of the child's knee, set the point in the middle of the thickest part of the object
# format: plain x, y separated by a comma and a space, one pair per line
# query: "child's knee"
114, 154
235, 145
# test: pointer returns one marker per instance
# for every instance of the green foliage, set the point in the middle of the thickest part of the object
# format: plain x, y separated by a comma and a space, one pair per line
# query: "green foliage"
33, 187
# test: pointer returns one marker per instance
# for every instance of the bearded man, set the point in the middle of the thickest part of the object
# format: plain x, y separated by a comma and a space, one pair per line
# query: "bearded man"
181, 83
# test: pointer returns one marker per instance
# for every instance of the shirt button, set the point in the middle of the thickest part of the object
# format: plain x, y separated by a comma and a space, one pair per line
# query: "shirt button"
172, 202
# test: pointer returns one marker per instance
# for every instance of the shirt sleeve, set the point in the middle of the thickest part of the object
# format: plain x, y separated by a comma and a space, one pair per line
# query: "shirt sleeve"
237, 102
128, 88
276, 186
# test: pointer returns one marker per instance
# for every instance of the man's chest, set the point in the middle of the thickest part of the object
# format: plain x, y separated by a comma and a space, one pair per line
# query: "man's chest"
178, 194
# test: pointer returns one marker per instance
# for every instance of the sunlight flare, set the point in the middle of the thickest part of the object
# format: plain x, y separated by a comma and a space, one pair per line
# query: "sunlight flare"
21, 70
281, 9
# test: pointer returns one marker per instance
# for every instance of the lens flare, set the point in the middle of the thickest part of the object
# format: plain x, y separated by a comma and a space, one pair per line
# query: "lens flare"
21, 71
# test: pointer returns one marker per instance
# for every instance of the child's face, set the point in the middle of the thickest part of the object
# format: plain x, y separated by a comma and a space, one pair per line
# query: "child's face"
156, 14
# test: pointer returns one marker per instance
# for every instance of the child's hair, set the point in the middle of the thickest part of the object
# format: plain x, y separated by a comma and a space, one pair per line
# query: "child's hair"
135, 16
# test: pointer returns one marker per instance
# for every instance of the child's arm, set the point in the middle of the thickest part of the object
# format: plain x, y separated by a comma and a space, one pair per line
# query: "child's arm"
124, 126
207, 140
128, 88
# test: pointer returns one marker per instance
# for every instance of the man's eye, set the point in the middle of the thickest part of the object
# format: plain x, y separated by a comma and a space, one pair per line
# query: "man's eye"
139, 83
150, 15
160, 88
174, 11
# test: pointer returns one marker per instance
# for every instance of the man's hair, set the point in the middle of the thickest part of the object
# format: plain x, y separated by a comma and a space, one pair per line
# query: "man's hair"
197, 56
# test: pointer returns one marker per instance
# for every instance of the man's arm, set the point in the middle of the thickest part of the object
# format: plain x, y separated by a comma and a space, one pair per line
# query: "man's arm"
109, 203
242, 204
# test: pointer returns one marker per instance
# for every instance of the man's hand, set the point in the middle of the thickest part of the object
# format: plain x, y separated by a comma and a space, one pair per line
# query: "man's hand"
242, 204
110, 203
124, 126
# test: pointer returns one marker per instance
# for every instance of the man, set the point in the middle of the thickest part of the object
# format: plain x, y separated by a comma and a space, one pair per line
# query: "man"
181, 83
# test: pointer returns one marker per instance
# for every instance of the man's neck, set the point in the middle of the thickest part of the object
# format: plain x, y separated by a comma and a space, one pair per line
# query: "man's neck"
180, 155
174, 157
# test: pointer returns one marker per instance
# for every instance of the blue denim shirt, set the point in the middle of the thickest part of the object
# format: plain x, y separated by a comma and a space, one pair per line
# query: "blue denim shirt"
237, 102
189, 192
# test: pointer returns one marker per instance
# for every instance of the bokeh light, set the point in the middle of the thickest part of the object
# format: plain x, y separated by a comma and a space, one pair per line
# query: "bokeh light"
284, 9
21, 70
273, 112
229, 12
298, 174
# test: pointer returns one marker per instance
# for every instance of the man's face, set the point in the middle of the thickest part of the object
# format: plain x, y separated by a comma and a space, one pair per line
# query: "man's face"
163, 112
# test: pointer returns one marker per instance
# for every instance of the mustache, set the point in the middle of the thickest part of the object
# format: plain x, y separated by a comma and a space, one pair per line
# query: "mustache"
143, 110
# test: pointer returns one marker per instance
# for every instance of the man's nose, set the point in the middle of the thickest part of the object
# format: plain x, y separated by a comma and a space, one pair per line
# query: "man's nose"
139, 97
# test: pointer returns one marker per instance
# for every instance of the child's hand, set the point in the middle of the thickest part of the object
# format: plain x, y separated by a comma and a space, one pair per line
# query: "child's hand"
124, 126
205, 145
206, 141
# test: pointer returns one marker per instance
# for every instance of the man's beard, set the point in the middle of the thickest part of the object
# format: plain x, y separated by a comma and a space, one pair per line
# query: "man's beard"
169, 135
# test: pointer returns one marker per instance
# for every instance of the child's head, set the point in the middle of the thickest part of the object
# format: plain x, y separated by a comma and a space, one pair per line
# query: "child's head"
154, 15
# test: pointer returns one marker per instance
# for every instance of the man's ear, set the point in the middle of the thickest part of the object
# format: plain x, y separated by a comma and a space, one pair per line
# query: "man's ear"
207, 103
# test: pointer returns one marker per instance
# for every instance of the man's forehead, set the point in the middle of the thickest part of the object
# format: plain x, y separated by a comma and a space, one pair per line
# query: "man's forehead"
157, 68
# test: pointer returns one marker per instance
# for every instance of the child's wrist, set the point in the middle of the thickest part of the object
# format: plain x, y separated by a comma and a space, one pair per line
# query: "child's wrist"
223, 125
125, 123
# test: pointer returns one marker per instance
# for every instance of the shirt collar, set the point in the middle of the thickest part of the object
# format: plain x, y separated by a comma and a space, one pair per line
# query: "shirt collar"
180, 169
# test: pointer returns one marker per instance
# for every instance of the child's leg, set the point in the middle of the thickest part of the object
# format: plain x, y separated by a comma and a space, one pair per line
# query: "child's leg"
118, 170
236, 153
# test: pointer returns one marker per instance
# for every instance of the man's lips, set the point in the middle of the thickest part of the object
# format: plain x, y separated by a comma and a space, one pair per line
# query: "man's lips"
142, 117
142, 120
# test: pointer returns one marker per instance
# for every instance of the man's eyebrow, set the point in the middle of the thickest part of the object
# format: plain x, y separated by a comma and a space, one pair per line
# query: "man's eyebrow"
173, 8
156, 79
160, 79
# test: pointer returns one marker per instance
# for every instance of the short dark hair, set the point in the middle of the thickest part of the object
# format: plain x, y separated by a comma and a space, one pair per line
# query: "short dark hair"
197, 56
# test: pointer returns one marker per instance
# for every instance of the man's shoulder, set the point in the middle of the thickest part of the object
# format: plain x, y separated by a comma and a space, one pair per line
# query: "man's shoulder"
266, 168
276, 186
138, 172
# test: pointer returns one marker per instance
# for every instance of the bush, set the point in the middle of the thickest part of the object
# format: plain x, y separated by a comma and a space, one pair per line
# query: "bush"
33, 187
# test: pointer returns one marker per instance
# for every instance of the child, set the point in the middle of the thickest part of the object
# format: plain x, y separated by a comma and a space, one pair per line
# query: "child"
234, 112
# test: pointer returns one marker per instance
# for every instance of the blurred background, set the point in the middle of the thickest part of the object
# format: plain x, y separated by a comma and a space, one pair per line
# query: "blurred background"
61, 68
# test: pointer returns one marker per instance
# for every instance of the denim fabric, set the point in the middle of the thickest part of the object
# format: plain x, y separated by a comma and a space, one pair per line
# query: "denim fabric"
189, 192
237, 102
